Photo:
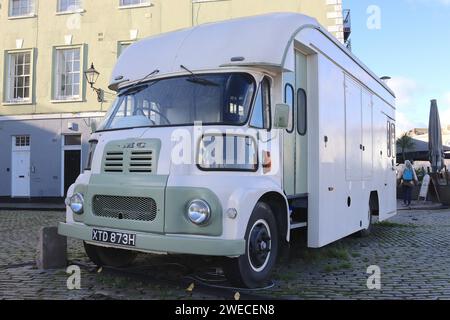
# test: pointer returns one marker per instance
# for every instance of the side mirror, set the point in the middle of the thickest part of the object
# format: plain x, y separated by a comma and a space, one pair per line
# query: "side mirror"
281, 119
93, 126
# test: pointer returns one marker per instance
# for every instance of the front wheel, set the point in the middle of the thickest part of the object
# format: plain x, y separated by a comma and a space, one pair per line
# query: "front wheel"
262, 244
110, 257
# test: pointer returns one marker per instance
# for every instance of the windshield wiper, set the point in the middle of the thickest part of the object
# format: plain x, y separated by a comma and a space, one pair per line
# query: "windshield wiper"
133, 90
196, 79
130, 89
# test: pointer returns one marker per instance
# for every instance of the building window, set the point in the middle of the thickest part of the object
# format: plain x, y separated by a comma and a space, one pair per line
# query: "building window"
125, 3
72, 140
22, 141
21, 8
19, 77
67, 74
69, 5
122, 46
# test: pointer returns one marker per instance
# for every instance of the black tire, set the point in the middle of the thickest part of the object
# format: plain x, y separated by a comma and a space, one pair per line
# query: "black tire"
110, 257
366, 232
262, 245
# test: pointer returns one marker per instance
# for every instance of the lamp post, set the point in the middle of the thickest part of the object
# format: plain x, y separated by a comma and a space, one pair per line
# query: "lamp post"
91, 76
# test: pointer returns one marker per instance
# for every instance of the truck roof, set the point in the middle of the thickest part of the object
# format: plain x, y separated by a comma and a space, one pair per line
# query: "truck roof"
261, 40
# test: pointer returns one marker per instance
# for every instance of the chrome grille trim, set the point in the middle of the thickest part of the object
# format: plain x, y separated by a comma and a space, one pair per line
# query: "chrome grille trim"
126, 208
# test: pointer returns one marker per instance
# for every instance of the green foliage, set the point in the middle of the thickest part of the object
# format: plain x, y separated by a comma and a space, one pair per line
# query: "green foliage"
405, 143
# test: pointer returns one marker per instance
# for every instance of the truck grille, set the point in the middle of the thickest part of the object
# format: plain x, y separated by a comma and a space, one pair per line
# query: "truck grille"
114, 161
127, 208
141, 161
135, 162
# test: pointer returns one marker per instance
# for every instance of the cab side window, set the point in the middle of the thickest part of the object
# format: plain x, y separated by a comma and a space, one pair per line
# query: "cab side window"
289, 100
261, 116
302, 112
388, 139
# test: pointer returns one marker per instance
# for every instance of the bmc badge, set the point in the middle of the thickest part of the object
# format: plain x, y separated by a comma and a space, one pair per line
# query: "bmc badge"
132, 145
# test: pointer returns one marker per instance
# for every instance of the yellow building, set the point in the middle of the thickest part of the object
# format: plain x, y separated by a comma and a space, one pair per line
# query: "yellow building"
45, 45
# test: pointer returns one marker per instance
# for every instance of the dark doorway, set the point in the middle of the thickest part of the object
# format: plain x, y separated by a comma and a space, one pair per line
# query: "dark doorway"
72, 161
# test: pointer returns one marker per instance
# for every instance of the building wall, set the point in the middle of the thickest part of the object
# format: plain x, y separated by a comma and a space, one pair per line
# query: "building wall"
46, 151
98, 29
422, 134
102, 24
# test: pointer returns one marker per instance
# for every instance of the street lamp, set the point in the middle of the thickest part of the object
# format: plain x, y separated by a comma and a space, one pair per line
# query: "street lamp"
91, 77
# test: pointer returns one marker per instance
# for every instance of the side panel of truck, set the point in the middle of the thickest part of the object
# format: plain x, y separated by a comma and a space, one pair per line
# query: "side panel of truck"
345, 104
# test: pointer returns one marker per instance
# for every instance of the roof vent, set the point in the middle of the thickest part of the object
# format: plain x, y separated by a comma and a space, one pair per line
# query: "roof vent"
237, 59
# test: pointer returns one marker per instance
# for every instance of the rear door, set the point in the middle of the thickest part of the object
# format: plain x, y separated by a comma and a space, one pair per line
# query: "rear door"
353, 130
367, 135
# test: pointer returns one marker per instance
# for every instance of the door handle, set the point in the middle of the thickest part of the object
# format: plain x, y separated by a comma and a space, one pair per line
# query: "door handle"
21, 176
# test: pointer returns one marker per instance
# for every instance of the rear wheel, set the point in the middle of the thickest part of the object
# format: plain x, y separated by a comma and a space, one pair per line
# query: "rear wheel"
262, 244
111, 257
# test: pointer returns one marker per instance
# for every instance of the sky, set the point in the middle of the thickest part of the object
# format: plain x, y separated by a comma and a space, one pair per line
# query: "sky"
408, 40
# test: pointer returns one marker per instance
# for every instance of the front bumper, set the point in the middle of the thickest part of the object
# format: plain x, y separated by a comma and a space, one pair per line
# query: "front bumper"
163, 243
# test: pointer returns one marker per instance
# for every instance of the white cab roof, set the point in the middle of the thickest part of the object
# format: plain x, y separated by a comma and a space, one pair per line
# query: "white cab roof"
260, 40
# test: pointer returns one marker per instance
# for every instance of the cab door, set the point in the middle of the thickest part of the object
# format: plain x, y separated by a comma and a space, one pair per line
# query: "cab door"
301, 125
289, 136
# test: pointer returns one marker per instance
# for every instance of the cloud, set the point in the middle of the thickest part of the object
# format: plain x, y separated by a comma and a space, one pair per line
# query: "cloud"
444, 109
445, 117
403, 124
429, 2
445, 101
405, 89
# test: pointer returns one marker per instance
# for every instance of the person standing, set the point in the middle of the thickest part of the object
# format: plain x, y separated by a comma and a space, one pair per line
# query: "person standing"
408, 181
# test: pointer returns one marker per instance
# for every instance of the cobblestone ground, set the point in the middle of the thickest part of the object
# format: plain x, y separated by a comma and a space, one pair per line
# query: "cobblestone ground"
412, 251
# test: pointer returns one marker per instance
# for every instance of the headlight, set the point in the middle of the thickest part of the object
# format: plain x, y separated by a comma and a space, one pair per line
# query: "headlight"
76, 203
198, 212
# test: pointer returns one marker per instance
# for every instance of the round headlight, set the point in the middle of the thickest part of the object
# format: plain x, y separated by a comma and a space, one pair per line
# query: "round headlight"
76, 203
198, 212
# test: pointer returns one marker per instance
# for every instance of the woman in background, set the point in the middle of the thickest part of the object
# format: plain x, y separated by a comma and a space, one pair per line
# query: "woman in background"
408, 180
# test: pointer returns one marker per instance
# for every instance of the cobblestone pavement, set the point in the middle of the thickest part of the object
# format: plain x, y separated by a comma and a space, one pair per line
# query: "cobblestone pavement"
412, 251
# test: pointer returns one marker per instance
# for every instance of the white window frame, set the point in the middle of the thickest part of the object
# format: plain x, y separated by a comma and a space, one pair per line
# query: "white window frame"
142, 3
9, 77
120, 44
70, 8
56, 93
31, 6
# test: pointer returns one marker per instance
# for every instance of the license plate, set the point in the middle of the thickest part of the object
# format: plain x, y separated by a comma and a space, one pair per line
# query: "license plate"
125, 239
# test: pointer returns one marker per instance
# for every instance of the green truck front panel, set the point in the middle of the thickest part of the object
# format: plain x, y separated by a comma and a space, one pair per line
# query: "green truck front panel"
131, 185
177, 201
128, 172
165, 243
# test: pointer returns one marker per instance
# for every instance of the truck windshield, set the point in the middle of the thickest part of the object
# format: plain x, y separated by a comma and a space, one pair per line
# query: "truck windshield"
223, 98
